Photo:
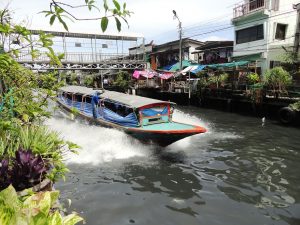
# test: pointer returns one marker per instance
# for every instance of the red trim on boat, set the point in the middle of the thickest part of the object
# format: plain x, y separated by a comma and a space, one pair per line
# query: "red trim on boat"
195, 130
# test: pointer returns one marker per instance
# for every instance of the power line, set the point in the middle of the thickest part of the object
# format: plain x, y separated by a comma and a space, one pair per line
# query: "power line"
228, 27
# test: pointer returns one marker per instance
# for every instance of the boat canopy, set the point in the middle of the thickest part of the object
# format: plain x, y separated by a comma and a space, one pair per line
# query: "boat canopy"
132, 101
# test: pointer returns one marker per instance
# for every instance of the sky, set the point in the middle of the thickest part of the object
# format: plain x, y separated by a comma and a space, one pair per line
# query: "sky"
152, 19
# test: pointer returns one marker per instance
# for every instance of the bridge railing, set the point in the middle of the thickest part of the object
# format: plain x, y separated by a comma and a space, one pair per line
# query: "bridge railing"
81, 58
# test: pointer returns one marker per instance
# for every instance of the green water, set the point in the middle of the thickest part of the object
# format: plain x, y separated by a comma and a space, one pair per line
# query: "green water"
239, 173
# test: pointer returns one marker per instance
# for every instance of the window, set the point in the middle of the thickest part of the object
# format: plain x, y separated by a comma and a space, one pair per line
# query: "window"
250, 34
280, 31
274, 64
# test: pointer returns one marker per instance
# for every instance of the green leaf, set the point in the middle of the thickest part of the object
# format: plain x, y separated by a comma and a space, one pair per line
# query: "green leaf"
124, 6
71, 219
55, 219
118, 24
63, 23
54, 196
104, 23
105, 5
52, 19
10, 198
116, 3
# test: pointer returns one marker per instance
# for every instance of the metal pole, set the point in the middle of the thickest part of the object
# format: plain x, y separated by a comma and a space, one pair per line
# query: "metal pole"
95, 40
101, 79
180, 39
297, 34
180, 45
92, 50
144, 50
189, 86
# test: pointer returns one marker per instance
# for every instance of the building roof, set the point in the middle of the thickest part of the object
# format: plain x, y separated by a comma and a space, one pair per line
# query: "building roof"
133, 101
184, 41
215, 45
140, 46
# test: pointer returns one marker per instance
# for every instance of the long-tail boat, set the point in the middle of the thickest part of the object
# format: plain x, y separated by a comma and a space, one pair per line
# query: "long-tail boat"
146, 119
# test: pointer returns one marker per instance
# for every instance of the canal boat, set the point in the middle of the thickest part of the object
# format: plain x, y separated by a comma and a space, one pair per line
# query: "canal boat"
148, 120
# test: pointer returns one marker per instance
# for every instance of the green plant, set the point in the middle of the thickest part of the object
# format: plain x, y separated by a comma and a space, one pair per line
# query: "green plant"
252, 78
295, 106
73, 79
277, 79
88, 81
32, 209
218, 80
41, 141
122, 79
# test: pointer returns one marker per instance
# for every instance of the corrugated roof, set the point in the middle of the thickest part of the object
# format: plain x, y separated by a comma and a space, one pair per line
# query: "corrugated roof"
133, 101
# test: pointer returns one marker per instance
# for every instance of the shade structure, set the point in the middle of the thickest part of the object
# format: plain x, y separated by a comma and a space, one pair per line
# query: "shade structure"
176, 66
146, 73
228, 65
199, 68
193, 69
165, 75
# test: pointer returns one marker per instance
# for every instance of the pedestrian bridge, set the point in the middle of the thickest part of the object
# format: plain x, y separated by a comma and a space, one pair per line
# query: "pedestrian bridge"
79, 60
97, 56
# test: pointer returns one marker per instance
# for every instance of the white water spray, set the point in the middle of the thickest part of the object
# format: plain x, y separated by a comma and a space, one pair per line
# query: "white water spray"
98, 144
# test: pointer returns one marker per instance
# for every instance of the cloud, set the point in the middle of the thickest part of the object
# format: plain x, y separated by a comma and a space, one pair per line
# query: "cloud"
152, 18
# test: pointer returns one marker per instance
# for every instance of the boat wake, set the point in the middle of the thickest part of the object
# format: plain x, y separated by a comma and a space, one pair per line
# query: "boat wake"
200, 140
98, 144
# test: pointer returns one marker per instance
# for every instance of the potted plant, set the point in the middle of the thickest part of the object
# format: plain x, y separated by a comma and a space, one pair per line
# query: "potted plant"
277, 79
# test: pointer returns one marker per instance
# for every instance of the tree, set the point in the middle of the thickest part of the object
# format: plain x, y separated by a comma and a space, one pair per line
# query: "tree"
122, 79
60, 10
277, 79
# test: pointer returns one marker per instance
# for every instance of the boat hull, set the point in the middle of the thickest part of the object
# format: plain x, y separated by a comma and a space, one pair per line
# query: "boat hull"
158, 137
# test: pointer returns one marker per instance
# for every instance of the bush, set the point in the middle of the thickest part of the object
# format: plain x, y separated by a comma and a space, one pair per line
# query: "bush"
218, 80
252, 78
33, 208
122, 79
88, 80
277, 79
295, 106
34, 144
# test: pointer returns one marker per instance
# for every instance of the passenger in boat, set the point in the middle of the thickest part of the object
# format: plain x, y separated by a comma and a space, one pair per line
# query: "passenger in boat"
95, 103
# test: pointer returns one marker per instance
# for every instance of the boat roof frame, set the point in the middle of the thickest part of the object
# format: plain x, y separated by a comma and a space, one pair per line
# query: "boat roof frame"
132, 101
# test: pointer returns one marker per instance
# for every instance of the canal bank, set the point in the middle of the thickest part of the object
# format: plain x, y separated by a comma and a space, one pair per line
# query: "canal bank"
234, 102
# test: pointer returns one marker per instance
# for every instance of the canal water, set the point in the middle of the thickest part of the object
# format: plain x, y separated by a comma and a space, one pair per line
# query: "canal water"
241, 172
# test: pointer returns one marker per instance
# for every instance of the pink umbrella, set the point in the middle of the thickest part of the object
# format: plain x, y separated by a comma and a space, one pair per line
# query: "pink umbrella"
146, 74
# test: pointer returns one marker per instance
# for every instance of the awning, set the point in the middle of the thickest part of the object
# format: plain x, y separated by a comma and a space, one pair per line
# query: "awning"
176, 66
165, 76
193, 69
146, 73
251, 58
228, 65
188, 69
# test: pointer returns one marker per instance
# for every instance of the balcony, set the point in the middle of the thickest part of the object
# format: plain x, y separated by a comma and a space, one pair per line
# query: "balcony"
251, 7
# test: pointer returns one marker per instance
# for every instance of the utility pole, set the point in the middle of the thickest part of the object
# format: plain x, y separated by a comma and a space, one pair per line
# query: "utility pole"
297, 34
180, 39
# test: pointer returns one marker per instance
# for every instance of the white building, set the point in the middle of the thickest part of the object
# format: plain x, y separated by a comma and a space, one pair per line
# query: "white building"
264, 30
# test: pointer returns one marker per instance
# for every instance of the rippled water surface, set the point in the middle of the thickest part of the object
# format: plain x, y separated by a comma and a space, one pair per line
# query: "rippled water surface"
240, 172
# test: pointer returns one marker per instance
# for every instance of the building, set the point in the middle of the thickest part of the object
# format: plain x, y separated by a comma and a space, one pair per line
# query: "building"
264, 31
167, 54
140, 50
213, 52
